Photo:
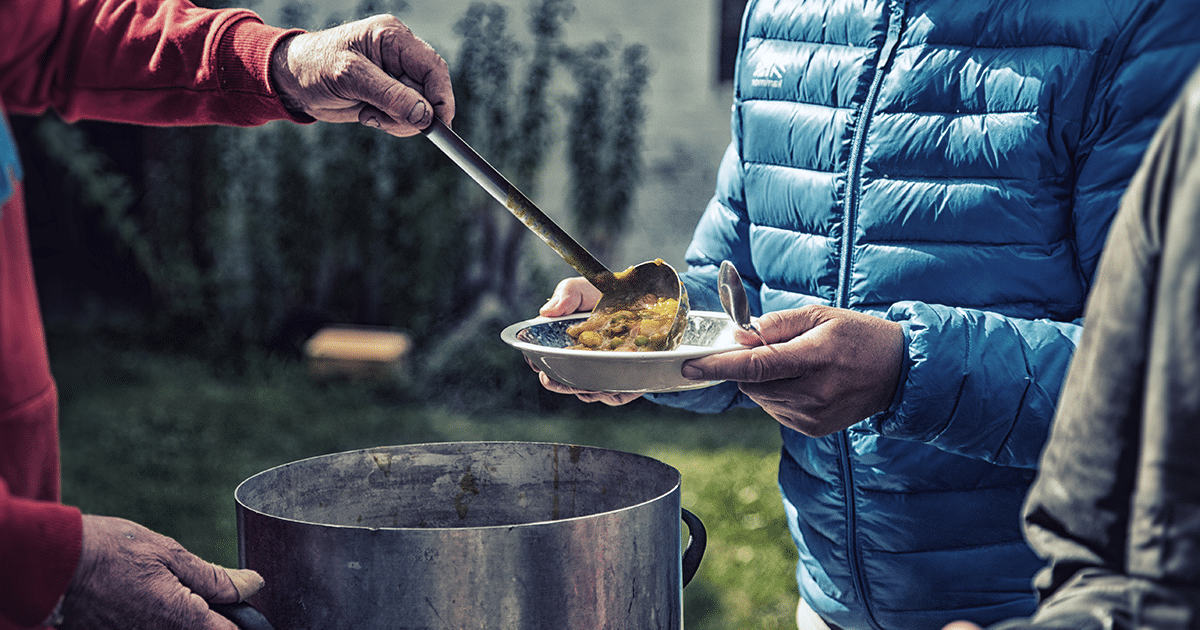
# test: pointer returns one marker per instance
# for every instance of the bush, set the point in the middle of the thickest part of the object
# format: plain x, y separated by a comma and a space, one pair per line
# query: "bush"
252, 238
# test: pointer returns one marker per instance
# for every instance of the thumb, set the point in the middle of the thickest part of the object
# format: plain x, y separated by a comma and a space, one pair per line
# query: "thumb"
752, 365
781, 326
396, 99
214, 583
246, 582
570, 296
763, 363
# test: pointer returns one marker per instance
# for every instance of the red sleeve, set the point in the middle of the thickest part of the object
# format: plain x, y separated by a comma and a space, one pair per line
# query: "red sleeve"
39, 537
38, 553
153, 62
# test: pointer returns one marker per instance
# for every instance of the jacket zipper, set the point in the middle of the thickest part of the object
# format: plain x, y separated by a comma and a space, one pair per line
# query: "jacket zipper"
895, 12
854, 168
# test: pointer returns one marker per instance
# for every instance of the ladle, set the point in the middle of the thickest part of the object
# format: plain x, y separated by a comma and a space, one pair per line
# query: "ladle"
619, 289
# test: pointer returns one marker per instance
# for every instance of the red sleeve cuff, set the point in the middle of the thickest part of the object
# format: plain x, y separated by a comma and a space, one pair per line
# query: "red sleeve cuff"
40, 543
244, 65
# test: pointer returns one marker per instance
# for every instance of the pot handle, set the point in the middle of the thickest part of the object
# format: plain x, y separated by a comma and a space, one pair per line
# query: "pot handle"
697, 541
243, 615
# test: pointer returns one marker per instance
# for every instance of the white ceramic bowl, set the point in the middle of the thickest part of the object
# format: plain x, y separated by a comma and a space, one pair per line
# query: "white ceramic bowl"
543, 341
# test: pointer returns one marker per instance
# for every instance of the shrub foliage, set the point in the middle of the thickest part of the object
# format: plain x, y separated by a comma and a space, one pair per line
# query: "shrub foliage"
253, 237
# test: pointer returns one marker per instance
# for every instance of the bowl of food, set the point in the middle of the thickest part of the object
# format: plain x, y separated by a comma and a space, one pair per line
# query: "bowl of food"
546, 344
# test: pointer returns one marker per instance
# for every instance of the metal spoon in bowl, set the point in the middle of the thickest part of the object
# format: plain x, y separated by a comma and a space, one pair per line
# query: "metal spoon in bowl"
619, 290
733, 298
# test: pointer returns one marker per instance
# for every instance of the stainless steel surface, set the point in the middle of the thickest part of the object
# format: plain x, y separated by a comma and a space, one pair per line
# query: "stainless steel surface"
733, 298
655, 277
467, 535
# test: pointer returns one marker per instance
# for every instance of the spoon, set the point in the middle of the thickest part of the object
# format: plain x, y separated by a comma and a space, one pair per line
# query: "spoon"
619, 290
733, 298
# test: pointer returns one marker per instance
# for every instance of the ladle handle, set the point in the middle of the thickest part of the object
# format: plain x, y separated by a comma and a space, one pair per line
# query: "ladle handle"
517, 203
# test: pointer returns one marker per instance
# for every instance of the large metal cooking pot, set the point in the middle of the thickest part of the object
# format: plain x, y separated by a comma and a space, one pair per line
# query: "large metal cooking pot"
480, 535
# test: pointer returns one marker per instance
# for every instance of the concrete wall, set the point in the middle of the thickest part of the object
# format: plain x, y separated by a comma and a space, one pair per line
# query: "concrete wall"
687, 118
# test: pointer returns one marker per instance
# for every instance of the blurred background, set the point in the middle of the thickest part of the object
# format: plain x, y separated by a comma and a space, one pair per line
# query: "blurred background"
182, 272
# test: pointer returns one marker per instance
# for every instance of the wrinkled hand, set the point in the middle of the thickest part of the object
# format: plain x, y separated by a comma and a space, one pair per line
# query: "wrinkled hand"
571, 296
825, 369
373, 71
131, 578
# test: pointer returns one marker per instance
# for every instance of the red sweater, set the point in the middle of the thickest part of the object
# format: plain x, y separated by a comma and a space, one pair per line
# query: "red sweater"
154, 62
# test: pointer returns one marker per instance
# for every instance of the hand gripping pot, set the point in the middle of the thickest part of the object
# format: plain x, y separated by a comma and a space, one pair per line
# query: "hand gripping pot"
482, 535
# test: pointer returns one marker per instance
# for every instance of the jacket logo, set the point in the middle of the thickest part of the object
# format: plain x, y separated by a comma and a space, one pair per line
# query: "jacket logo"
767, 74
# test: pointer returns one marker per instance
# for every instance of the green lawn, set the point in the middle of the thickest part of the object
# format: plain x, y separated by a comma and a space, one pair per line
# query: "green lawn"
164, 439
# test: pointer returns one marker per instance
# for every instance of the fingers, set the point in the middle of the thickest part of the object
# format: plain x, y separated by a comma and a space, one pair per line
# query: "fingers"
417, 83
201, 583
571, 296
753, 365
372, 116
747, 338
246, 582
207, 580
784, 412
823, 370
612, 399
761, 363
440, 94
130, 576
780, 326
374, 71
416, 64
387, 104
186, 609
801, 340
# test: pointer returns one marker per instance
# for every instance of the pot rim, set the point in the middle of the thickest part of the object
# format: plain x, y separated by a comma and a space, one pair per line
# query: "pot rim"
241, 505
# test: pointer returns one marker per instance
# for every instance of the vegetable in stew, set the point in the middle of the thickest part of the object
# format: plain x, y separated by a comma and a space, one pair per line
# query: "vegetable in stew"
642, 325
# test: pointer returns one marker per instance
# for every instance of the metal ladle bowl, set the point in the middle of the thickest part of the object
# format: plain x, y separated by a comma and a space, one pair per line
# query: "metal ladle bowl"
654, 277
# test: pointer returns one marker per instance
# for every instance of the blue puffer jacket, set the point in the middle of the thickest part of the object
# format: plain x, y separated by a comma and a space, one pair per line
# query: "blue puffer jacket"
953, 166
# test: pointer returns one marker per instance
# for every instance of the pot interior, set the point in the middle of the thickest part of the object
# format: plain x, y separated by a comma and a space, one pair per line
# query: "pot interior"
457, 484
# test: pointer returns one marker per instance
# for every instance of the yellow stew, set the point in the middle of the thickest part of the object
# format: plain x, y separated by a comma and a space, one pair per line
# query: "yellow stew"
642, 325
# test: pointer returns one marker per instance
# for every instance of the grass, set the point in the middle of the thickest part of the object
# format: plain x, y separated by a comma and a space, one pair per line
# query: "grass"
163, 439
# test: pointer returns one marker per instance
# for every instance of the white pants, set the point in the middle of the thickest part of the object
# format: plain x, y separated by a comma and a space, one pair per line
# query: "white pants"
808, 619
